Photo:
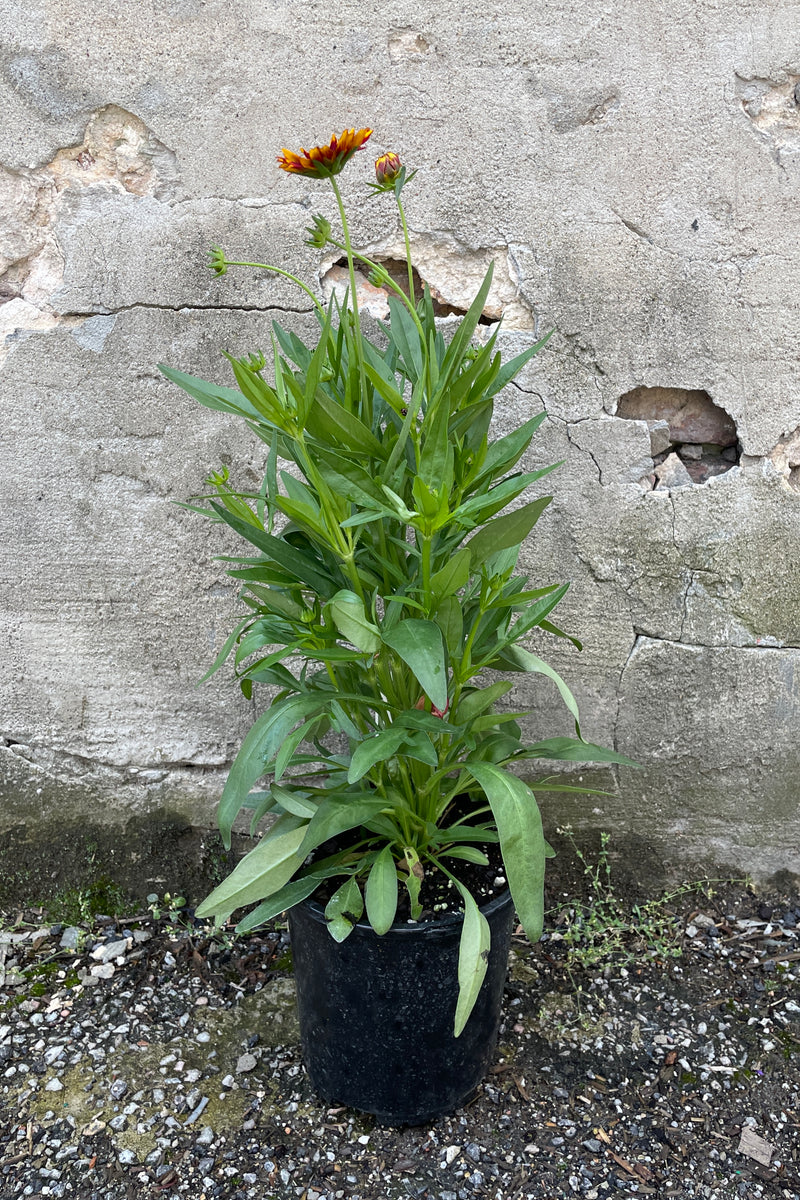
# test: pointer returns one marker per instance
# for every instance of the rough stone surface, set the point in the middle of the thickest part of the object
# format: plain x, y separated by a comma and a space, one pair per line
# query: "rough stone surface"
639, 196
672, 473
692, 416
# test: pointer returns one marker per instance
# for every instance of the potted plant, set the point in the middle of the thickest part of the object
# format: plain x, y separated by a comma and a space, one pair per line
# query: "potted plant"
380, 585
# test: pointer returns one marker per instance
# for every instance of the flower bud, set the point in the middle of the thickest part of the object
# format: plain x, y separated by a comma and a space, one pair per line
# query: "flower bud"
319, 231
217, 261
387, 168
379, 276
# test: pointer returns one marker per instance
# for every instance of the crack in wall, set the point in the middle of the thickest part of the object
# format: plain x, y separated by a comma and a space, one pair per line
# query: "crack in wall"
583, 450
634, 228
74, 767
256, 308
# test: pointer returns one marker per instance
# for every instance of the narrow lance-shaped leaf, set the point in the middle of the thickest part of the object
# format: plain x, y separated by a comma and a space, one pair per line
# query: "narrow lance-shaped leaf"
381, 892
506, 532
290, 894
473, 958
338, 813
306, 569
261, 872
565, 749
456, 349
211, 395
258, 748
516, 658
519, 824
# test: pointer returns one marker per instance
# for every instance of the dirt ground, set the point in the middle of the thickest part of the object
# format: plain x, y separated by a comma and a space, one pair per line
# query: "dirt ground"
648, 1048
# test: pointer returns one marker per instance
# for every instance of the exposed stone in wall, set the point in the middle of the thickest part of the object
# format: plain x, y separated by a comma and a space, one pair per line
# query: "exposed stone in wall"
786, 457
118, 152
773, 105
408, 43
692, 438
452, 272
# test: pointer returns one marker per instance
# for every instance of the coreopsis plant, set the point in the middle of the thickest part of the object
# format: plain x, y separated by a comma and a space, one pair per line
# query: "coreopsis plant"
379, 586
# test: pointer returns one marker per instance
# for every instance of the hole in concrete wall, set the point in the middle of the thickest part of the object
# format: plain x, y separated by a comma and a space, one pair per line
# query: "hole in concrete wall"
375, 300
692, 439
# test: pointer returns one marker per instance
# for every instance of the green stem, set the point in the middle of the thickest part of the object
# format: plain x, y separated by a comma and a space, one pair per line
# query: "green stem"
279, 271
389, 282
367, 413
401, 210
426, 573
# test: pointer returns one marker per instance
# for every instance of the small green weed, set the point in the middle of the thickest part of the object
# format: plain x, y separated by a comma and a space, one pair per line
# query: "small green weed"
80, 905
605, 927
170, 907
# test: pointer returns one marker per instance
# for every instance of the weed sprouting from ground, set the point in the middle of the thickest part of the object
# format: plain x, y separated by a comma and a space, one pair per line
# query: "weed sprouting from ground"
80, 905
605, 927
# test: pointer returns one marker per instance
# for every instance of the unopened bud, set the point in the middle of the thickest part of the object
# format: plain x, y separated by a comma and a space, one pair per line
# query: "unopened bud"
217, 261
319, 231
387, 168
378, 276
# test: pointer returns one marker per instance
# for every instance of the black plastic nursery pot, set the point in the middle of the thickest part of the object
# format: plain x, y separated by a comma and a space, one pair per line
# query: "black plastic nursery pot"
376, 1013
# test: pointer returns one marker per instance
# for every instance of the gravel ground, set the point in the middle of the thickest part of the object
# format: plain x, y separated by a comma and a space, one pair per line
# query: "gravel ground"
143, 1058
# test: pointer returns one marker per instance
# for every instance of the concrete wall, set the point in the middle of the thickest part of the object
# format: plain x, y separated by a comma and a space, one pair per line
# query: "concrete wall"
633, 171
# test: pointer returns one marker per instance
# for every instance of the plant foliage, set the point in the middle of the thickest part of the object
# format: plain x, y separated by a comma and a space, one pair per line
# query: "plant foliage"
380, 585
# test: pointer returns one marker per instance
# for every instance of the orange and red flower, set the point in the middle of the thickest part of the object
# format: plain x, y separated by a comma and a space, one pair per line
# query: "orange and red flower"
321, 162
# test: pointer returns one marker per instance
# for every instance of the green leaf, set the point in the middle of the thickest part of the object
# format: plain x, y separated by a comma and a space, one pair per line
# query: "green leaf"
455, 351
338, 813
515, 365
419, 644
378, 748
259, 747
261, 872
450, 619
473, 958
506, 452
308, 570
479, 700
468, 853
346, 610
290, 894
344, 909
381, 892
293, 800
226, 649
506, 532
276, 601
212, 395
331, 422
515, 658
289, 745
519, 824
413, 880
567, 749
452, 576
419, 746
405, 336
417, 718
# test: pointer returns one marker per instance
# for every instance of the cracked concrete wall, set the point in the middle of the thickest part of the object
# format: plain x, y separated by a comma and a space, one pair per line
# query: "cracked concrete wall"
635, 175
